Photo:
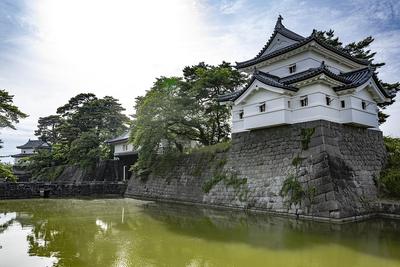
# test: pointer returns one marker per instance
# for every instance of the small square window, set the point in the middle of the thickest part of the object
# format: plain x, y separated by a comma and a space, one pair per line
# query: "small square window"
304, 102
363, 105
241, 114
288, 104
342, 104
292, 69
262, 107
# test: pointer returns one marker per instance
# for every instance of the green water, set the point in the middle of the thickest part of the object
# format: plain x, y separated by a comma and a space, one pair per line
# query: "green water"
127, 232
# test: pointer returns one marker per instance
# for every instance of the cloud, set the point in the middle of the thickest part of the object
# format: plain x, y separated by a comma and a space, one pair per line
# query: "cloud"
231, 7
52, 50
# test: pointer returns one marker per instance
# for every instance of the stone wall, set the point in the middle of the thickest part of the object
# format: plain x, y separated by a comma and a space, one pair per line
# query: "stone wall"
11, 190
339, 167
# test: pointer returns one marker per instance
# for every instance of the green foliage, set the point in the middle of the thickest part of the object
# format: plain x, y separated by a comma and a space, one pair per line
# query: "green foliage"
180, 109
305, 135
390, 177
236, 181
57, 171
9, 113
292, 185
360, 50
365, 204
167, 163
88, 149
6, 172
47, 129
297, 161
207, 186
313, 191
78, 133
38, 163
220, 163
212, 157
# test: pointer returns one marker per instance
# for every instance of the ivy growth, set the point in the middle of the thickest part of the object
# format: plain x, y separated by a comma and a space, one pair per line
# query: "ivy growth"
291, 186
167, 164
305, 135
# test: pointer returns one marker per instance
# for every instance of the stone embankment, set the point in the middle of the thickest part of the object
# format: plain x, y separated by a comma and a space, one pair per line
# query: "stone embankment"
106, 179
327, 168
10, 190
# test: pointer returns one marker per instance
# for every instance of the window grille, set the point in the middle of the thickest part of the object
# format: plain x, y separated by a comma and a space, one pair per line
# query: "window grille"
304, 101
292, 69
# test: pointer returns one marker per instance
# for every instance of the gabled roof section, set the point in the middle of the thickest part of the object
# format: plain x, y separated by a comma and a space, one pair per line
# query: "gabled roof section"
123, 137
359, 77
301, 41
279, 28
33, 144
261, 76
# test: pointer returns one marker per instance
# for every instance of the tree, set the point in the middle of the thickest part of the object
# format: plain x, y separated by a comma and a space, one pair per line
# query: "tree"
359, 50
79, 132
9, 114
86, 112
183, 108
47, 129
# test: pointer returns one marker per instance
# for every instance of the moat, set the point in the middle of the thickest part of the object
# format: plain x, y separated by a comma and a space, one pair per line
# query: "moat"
128, 232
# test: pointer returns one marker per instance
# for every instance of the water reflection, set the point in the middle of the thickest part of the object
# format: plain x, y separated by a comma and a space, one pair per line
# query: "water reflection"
127, 232
379, 237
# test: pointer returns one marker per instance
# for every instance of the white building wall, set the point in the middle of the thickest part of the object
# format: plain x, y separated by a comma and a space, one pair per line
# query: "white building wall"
121, 147
303, 61
285, 109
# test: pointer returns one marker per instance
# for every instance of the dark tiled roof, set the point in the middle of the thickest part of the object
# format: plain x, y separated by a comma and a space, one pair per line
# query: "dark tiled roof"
359, 77
279, 28
23, 155
231, 96
272, 80
349, 79
263, 77
122, 137
301, 41
312, 72
34, 143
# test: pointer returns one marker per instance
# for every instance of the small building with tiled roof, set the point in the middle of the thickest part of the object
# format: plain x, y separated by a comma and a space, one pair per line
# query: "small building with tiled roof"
124, 152
28, 149
298, 79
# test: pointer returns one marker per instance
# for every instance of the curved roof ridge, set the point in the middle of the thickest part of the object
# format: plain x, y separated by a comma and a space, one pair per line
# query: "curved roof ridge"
280, 28
122, 137
312, 72
359, 77
34, 143
301, 40
259, 72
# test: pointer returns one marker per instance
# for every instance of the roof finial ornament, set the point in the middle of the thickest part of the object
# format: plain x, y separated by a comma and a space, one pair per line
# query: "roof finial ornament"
256, 71
314, 33
279, 23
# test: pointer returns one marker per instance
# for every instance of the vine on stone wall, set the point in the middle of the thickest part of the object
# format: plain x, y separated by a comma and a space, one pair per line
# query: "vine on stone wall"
229, 179
167, 164
305, 135
291, 186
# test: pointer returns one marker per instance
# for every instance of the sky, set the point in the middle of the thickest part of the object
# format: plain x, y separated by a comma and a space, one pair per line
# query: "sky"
52, 50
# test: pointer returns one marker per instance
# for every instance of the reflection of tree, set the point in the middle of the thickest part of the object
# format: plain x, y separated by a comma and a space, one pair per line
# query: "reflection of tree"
75, 242
5, 225
121, 233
